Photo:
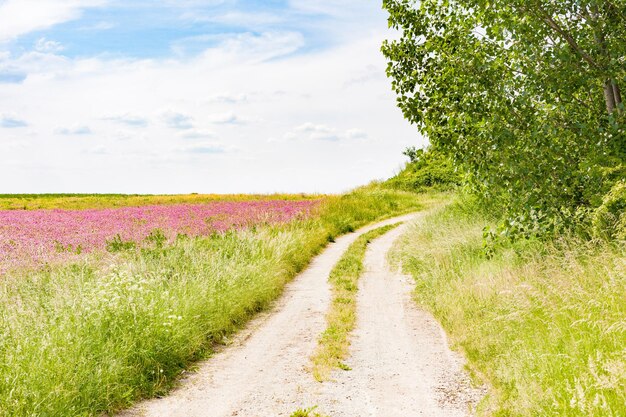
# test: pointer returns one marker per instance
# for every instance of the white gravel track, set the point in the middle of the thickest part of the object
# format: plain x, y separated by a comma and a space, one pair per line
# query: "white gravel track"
401, 363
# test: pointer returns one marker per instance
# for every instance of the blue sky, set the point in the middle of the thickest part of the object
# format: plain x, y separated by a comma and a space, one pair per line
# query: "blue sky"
195, 96
150, 29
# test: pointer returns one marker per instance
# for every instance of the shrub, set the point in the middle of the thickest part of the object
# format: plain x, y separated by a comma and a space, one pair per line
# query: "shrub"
609, 220
117, 244
428, 169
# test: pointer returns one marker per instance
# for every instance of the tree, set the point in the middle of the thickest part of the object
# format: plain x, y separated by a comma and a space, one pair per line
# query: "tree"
524, 94
413, 153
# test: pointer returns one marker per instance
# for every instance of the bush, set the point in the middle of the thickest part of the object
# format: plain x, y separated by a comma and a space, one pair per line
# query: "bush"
428, 169
609, 220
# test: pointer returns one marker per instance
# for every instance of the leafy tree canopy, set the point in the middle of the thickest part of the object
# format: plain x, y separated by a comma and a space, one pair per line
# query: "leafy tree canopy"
523, 94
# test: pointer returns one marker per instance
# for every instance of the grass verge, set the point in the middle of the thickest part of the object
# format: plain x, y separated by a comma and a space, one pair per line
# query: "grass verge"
544, 323
334, 342
86, 338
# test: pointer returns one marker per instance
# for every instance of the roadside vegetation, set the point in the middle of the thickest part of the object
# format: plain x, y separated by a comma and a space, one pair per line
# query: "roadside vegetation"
334, 342
89, 337
527, 270
543, 322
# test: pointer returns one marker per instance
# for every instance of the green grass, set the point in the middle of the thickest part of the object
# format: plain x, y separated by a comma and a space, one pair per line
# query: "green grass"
306, 412
334, 342
91, 338
101, 201
543, 323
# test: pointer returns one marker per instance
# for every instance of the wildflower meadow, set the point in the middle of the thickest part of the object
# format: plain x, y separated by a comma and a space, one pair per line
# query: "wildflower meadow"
36, 237
84, 331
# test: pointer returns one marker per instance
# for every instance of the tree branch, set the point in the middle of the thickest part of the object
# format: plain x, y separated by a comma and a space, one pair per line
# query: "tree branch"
568, 38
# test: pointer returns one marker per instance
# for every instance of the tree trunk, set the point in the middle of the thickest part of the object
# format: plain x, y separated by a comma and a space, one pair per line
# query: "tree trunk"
617, 96
612, 96
609, 96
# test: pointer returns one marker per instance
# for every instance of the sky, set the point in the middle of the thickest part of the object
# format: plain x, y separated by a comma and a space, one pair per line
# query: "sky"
207, 96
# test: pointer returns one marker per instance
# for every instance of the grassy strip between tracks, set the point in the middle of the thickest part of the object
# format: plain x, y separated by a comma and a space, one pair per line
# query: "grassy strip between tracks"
307, 412
334, 342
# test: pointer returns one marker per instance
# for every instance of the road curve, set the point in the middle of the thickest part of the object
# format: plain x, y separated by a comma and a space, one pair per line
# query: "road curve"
264, 372
401, 364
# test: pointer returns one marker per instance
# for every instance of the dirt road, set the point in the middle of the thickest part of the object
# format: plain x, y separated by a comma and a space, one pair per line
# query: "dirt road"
401, 364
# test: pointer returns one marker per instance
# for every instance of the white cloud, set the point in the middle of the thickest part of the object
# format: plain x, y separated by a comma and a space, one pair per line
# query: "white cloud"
203, 148
48, 46
177, 120
11, 121
228, 98
312, 131
363, 76
100, 26
330, 7
20, 145
18, 17
352, 13
73, 130
186, 4
249, 48
236, 18
128, 120
244, 47
37, 64
98, 150
356, 134
229, 118
197, 134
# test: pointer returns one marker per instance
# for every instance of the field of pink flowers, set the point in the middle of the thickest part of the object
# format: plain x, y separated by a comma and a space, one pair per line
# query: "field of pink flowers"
36, 237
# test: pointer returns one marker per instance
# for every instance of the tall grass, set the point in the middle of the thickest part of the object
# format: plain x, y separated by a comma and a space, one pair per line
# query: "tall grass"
543, 323
87, 338
341, 318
